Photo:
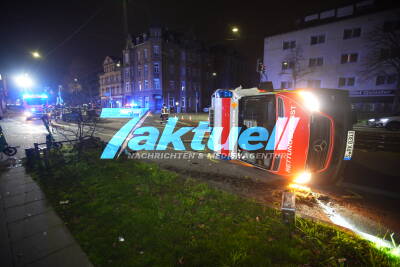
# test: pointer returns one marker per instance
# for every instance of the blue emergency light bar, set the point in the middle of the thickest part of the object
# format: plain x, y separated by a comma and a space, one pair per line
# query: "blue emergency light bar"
34, 96
225, 94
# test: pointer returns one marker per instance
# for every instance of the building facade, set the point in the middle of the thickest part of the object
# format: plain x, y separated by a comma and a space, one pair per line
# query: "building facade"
111, 89
332, 49
163, 67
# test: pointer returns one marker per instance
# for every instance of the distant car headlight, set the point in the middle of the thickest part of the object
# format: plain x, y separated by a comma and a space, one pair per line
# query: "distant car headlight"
371, 120
302, 178
27, 114
310, 100
384, 120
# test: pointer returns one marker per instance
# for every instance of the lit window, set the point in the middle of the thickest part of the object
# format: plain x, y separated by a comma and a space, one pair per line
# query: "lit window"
287, 65
349, 58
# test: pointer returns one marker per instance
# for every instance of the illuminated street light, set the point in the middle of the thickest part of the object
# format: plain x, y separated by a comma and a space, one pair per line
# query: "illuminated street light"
235, 29
23, 81
214, 74
36, 54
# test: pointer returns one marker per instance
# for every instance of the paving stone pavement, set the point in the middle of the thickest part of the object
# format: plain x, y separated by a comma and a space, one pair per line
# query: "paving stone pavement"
31, 233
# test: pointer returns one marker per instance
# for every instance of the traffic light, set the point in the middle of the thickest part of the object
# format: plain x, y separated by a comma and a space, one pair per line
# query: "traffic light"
261, 67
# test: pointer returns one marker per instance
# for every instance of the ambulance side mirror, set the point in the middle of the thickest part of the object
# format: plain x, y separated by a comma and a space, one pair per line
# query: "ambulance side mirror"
266, 86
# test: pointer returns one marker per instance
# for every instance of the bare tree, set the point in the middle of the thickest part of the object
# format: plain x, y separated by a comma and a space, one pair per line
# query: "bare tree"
383, 58
294, 65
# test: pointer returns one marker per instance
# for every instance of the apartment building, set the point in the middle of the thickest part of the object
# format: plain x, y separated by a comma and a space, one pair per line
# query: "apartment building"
334, 49
111, 90
163, 67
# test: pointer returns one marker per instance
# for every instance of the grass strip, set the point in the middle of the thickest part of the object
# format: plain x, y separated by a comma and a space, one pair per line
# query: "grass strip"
129, 213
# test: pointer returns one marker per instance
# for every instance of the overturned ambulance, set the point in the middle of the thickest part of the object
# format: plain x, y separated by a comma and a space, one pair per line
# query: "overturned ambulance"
309, 131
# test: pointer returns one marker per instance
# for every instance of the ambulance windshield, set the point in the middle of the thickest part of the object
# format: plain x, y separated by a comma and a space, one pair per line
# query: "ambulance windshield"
257, 111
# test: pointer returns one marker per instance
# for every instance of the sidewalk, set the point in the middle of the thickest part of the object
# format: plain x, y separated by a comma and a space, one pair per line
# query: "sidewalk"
31, 233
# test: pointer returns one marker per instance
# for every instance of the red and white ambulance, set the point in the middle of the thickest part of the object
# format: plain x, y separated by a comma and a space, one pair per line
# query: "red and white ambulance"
307, 129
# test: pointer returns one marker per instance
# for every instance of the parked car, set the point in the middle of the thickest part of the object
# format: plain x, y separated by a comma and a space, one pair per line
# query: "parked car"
392, 123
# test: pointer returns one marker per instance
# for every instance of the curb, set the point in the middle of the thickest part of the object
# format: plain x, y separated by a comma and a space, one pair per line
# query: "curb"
97, 125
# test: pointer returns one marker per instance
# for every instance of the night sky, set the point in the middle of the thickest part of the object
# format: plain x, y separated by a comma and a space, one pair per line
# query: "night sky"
48, 26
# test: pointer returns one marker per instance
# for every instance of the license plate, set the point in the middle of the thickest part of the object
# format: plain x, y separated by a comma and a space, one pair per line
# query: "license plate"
349, 145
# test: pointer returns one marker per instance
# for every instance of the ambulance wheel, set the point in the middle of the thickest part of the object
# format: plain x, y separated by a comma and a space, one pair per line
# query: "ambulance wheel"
10, 151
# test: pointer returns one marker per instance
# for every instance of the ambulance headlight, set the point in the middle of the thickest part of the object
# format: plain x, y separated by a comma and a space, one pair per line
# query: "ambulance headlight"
310, 100
27, 114
302, 178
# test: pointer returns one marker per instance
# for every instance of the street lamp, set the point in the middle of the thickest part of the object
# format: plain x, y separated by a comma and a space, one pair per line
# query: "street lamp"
235, 29
36, 54
23, 81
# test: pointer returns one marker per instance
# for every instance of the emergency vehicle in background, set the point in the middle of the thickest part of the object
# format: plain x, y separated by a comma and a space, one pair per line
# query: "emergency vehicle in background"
35, 105
309, 129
